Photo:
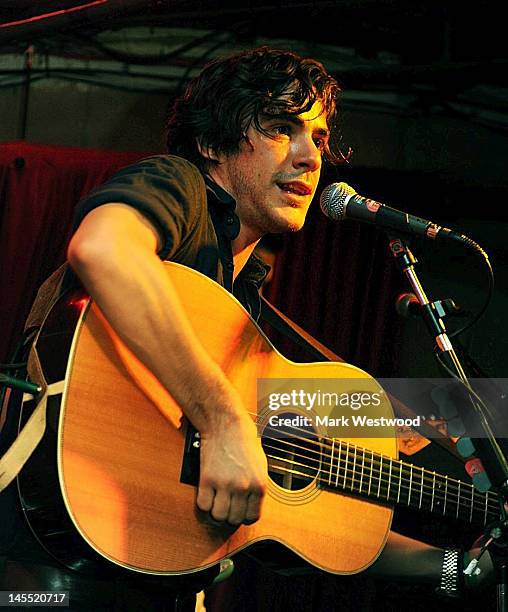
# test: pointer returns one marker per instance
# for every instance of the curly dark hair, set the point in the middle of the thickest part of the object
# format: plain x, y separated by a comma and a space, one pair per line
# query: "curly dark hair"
231, 94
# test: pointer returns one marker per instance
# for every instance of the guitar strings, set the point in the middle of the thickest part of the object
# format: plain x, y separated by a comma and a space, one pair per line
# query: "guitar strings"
430, 477
385, 495
418, 485
371, 455
416, 475
307, 476
414, 496
421, 484
403, 468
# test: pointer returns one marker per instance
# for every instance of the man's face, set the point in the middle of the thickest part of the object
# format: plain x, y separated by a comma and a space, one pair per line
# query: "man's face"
273, 180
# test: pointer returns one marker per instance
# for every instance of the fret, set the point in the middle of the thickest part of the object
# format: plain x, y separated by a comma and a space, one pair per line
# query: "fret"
331, 463
354, 468
363, 466
433, 490
380, 474
370, 473
410, 483
445, 494
458, 501
472, 504
389, 480
421, 490
338, 464
400, 480
345, 466
486, 507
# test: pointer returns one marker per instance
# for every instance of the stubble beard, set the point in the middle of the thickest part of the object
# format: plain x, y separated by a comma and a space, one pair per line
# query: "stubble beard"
261, 215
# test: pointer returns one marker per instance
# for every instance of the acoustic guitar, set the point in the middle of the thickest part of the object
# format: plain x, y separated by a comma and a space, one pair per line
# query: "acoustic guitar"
114, 479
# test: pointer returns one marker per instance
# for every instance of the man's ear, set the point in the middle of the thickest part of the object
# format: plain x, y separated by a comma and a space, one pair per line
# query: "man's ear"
208, 153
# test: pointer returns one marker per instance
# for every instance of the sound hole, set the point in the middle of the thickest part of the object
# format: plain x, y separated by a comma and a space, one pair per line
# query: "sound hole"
292, 450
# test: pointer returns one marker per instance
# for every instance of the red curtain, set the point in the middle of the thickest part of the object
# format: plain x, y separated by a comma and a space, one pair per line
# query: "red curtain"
39, 188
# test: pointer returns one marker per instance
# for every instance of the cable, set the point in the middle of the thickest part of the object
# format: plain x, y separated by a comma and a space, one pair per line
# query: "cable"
490, 291
131, 58
12, 366
86, 71
154, 90
64, 77
469, 389
196, 63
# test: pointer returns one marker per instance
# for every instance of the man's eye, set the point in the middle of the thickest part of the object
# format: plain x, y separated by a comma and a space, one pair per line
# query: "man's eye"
284, 130
320, 143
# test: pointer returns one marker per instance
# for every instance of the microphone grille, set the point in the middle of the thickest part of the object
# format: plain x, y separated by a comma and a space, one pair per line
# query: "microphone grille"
334, 199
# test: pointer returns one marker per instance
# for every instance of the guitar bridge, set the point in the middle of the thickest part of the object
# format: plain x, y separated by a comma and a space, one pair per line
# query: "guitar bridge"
190, 465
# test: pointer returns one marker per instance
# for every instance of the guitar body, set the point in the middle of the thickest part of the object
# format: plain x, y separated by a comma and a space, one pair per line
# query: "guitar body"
121, 448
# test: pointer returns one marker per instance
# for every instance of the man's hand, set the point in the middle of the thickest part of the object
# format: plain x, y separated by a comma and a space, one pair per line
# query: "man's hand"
233, 472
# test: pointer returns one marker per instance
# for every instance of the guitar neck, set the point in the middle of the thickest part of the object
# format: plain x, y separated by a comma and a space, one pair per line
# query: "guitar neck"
352, 469
347, 468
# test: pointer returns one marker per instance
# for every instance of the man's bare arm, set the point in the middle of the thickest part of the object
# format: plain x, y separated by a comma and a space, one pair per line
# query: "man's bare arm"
113, 252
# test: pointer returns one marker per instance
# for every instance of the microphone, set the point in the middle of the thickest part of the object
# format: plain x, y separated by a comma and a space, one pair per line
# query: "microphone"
340, 201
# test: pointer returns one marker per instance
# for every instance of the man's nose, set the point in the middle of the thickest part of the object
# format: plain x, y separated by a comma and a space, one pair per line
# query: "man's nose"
307, 155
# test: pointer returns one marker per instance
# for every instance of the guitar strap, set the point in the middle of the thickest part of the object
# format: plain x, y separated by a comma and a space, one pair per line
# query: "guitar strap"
294, 332
29, 437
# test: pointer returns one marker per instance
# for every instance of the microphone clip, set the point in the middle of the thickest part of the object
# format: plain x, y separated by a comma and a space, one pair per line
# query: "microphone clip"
408, 306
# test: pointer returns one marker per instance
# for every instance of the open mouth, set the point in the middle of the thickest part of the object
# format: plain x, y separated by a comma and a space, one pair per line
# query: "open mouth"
295, 188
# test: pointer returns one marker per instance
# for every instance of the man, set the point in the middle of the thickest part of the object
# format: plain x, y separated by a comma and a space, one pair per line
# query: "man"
249, 137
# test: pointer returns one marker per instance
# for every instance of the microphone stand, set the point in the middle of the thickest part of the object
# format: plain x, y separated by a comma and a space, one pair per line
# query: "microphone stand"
488, 449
